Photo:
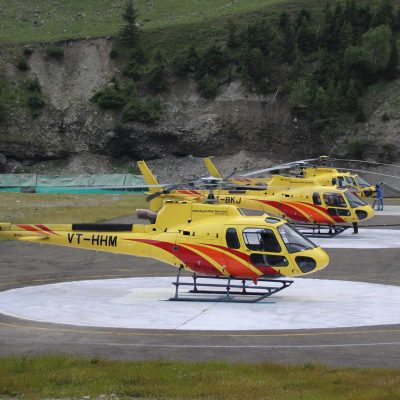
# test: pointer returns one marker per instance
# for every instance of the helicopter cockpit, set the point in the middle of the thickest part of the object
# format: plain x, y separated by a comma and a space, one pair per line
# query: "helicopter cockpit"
278, 242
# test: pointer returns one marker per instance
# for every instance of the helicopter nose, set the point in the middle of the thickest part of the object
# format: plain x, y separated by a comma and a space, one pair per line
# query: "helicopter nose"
365, 213
312, 260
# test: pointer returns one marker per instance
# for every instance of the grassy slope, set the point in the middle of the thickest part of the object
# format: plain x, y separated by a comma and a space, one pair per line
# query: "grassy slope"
66, 208
49, 20
66, 377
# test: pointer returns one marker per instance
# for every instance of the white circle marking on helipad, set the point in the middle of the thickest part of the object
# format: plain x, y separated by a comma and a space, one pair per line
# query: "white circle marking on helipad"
142, 303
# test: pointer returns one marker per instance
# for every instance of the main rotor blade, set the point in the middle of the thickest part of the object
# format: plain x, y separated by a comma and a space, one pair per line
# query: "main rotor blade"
152, 196
372, 173
365, 162
280, 166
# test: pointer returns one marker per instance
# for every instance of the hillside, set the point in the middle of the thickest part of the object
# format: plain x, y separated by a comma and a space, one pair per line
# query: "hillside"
240, 99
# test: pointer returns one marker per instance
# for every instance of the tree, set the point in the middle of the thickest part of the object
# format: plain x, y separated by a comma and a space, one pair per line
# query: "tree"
255, 65
156, 78
392, 68
384, 14
233, 40
321, 102
352, 97
212, 61
130, 32
377, 43
259, 35
298, 63
346, 37
300, 96
306, 37
357, 63
396, 21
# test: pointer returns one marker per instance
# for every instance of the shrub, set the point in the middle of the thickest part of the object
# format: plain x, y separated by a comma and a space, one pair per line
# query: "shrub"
357, 147
147, 111
114, 54
33, 85
132, 70
27, 51
385, 117
35, 101
23, 65
208, 86
56, 52
156, 79
109, 98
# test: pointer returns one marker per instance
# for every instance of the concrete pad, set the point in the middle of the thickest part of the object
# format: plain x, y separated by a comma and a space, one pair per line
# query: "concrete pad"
142, 303
364, 239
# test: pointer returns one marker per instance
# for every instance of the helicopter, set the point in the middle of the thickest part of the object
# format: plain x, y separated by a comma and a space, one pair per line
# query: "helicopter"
316, 210
321, 174
213, 242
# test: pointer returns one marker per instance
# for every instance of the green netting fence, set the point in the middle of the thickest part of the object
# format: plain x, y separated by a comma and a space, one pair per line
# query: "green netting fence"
85, 183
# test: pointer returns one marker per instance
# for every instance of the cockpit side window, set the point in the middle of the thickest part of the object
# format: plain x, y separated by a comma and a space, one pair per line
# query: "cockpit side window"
232, 238
351, 181
342, 182
334, 200
316, 199
261, 240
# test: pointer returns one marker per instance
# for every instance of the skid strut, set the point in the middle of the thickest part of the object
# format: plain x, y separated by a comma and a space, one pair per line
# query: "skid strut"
318, 230
228, 291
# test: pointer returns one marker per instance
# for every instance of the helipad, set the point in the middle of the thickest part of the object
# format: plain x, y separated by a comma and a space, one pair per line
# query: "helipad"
143, 303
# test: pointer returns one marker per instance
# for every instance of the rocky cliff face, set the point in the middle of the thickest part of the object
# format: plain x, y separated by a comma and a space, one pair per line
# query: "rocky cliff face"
77, 136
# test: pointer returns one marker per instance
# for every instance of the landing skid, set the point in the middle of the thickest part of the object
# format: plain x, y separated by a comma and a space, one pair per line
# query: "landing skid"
241, 293
317, 230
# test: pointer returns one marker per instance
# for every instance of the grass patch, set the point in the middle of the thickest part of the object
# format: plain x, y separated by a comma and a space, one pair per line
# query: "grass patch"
69, 377
47, 20
66, 208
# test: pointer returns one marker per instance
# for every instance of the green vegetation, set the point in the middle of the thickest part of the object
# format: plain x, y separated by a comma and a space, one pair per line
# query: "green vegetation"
23, 64
56, 52
67, 377
151, 76
322, 56
46, 20
66, 208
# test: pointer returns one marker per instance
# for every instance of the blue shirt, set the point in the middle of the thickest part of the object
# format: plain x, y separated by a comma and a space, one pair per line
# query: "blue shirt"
379, 193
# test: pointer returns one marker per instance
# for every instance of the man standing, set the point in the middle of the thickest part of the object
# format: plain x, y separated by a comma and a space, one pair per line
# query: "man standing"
379, 196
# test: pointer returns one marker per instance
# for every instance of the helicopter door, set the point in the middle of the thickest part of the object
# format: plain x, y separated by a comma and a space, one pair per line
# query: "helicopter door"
336, 204
265, 250
233, 265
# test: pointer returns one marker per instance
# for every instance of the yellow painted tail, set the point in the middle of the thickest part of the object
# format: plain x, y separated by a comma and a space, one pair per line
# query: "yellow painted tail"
212, 169
153, 185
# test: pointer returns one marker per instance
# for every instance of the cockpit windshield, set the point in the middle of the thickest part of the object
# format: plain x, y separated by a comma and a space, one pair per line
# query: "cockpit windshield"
294, 240
354, 200
361, 182
350, 181
334, 199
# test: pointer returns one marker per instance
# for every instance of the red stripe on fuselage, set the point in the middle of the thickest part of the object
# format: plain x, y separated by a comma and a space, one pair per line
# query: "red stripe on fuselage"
286, 209
236, 265
324, 210
194, 261
46, 229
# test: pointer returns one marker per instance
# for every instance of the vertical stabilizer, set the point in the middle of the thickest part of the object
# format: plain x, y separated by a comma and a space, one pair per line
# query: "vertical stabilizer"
153, 185
212, 169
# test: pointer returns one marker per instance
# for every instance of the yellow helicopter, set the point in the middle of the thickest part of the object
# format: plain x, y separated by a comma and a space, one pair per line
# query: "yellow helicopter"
312, 207
211, 241
321, 175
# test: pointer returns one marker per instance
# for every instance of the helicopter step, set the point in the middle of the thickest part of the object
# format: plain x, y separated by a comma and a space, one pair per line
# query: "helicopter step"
237, 295
321, 231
